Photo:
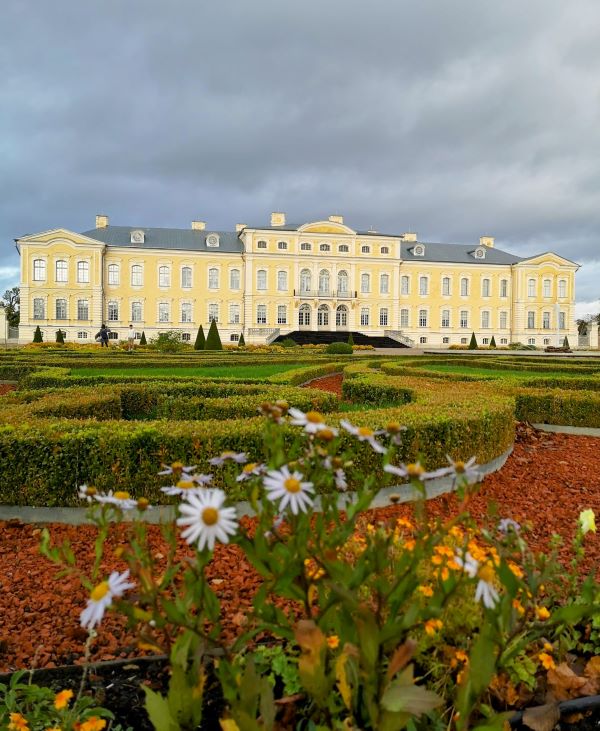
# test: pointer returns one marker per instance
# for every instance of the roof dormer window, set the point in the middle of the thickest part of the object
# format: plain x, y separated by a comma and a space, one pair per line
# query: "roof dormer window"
137, 236
212, 241
419, 250
480, 252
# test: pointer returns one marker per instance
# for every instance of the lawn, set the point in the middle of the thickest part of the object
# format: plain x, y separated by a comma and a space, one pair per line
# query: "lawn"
233, 371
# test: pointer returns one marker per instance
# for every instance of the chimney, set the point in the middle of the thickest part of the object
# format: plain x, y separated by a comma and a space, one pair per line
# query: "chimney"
101, 221
409, 236
198, 225
240, 226
336, 219
486, 241
277, 219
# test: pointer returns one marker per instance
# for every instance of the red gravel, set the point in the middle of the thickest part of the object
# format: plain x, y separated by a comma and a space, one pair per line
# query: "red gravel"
6, 387
547, 481
333, 384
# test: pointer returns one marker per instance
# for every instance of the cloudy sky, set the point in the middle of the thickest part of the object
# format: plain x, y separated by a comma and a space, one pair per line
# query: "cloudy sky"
452, 119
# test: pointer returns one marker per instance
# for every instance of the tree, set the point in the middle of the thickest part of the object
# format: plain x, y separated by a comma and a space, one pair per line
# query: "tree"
350, 340
473, 343
213, 339
11, 300
241, 341
60, 337
143, 339
37, 335
200, 339
493, 342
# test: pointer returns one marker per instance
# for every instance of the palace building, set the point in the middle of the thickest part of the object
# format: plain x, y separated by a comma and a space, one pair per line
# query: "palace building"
273, 280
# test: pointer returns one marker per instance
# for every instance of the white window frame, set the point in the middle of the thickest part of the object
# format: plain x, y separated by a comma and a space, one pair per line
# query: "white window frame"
383, 317
282, 314
404, 317
213, 278
83, 272
137, 275
83, 309
282, 280
234, 279
423, 285
446, 286
61, 270
261, 314
186, 277
234, 313
114, 274
186, 312
486, 287
423, 318
39, 271
62, 314
112, 311
384, 284
164, 312
405, 284
365, 283
364, 316
134, 308
445, 318
261, 280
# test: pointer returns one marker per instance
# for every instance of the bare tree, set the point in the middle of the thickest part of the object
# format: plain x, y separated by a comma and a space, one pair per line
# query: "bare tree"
11, 300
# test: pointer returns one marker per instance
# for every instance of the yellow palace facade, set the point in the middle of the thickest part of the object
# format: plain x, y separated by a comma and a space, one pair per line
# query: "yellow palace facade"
271, 280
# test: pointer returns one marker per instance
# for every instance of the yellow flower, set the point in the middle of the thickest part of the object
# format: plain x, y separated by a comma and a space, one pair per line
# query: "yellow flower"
313, 571
432, 626
546, 660
333, 641
515, 569
425, 590
548, 647
93, 724
542, 613
587, 521
404, 523
61, 700
518, 606
18, 722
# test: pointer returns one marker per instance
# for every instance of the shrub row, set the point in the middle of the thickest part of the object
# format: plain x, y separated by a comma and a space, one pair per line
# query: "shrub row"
567, 408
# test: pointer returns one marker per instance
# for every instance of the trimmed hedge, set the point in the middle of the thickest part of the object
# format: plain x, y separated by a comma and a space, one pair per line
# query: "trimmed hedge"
567, 408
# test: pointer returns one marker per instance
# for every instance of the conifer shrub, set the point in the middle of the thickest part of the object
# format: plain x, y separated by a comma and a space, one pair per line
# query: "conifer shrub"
566, 342
200, 339
143, 339
473, 343
241, 341
493, 342
37, 335
350, 340
60, 337
213, 339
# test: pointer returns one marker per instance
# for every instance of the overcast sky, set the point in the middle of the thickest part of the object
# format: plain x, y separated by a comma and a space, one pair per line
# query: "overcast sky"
454, 118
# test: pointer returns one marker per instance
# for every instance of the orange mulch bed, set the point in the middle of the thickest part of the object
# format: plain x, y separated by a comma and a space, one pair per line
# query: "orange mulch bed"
333, 384
547, 481
6, 387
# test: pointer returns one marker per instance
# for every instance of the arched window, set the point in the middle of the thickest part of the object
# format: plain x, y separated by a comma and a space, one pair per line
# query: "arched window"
365, 249
365, 282
422, 318
364, 316
423, 285
234, 279
531, 288
137, 275
323, 316
61, 271
281, 315
323, 281
39, 308
83, 273
324, 247
261, 244
404, 284
383, 317
163, 312
562, 287
113, 274
547, 288
343, 248
464, 287
446, 286
485, 288
504, 288
282, 281
186, 312
186, 277
39, 270
261, 279
342, 282
385, 250
341, 316
61, 309
282, 245
445, 318
113, 311
164, 276
136, 311
304, 315
213, 278
261, 315
305, 281
384, 284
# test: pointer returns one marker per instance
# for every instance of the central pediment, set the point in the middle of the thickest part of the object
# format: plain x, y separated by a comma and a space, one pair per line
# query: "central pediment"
325, 227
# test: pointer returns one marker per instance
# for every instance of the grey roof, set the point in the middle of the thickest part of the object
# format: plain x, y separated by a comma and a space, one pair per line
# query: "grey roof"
456, 253
183, 239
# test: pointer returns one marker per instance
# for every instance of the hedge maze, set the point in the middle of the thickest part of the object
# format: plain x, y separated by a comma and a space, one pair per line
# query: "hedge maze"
59, 430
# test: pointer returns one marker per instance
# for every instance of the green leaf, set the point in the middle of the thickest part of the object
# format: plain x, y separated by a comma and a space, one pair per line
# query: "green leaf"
402, 695
159, 711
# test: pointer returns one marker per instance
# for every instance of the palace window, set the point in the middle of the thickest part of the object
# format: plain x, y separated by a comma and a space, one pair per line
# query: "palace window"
531, 320
136, 311
304, 315
343, 248
547, 288
562, 321
485, 341
113, 311
137, 277
531, 341
261, 279
422, 318
562, 288
504, 288
464, 318
39, 270
185, 337
546, 321
261, 315
282, 245
365, 283
281, 314
464, 287
446, 286
213, 278
323, 316
531, 288
83, 272
422, 340
213, 312
485, 288
305, 281
503, 320
282, 282
485, 319
384, 284
186, 312
364, 316
341, 316
342, 282
164, 276
234, 338
234, 314
83, 310
404, 318
61, 309
324, 282
261, 244
445, 318
234, 279
445, 341
186, 277
82, 335
61, 271
365, 249
385, 250
423, 285
404, 285
163, 312
305, 247
113, 274
324, 247
383, 317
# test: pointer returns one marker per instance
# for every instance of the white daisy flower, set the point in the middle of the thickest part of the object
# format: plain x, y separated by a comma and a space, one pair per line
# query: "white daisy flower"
120, 498
239, 457
363, 434
468, 564
507, 524
85, 492
339, 477
200, 478
251, 469
312, 421
206, 518
289, 489
465, 470
486, 592
175, 468
102, 596
415, 471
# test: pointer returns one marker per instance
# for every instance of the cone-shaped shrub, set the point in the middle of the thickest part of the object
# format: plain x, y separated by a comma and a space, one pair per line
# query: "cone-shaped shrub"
473, 343
37, 335
60, 338
213, 339
493, 342
241, 341
200, 339
350, 339
566, 342
143, 339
